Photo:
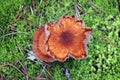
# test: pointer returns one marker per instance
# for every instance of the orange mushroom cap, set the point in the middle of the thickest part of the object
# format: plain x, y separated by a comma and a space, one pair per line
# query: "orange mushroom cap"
39, 45
61, 39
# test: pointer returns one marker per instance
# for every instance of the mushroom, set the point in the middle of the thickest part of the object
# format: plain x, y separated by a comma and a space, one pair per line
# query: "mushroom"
39, 45
60, 40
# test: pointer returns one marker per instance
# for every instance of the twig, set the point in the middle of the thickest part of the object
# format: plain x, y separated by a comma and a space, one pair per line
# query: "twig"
25, 70
118, 1
78, 9
18, 16
2, 33
42, 72
34, 6
66, 72
2, 76
96, 8
8, 64
13, 33
109, 42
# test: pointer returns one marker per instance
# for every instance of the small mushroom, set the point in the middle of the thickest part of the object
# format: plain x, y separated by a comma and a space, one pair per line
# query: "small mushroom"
39, 45
59, 40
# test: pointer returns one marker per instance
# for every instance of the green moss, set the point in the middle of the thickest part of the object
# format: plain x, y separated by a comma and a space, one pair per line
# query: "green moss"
103, 59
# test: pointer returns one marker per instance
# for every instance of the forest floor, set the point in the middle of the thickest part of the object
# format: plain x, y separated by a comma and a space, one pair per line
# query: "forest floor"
19, 19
